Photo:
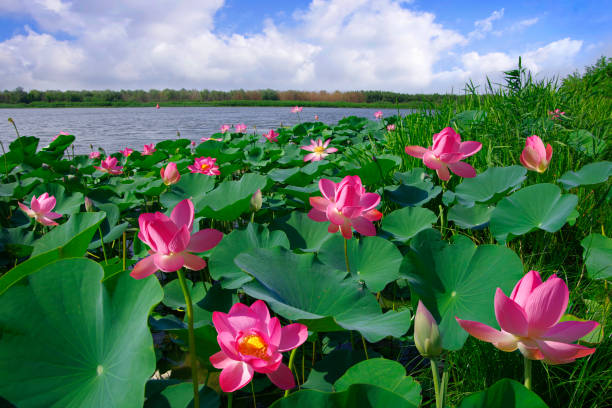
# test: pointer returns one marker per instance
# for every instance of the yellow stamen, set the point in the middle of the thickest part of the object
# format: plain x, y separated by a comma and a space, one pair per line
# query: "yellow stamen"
204, 166
319, 149
253, 345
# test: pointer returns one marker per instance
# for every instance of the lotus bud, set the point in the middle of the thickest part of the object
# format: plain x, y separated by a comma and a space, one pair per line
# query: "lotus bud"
89, 207
256, 201
426, 333
170, 174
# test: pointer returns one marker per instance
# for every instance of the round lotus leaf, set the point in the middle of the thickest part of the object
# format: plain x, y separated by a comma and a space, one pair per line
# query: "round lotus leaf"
538, 206
69, 340
489, 186
593, 173
475, 217
505, 393
405, 223
598, 256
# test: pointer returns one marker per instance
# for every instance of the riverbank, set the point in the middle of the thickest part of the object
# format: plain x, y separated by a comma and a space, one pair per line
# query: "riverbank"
246, 103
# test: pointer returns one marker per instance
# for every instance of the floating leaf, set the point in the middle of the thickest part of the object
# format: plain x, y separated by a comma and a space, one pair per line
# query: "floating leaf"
475, 217
178, 394
593, 173
489, 186
538, 206
102, 350
191, 185
405, 223
416, 188
299, 289
303, 233
505, 393
597, 256
459, 280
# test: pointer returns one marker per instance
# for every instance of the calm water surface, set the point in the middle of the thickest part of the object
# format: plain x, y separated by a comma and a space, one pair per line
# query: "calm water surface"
117, 128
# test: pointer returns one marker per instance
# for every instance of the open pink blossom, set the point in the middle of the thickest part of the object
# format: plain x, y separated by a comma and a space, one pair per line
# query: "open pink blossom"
529, 321
225, 128
170, 175
319, 150
556, 113
40, 209
271, 136
296, 109
346, 204
172, 242
66, 133
317, 118
391, 127
149, 149
109, 165
251, 341
205, 165
534, 156
94, 155
378, 114
240, 128
126, 152
446, 153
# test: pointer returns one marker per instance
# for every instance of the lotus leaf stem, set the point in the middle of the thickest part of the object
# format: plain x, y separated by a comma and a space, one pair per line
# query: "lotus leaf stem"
192, 350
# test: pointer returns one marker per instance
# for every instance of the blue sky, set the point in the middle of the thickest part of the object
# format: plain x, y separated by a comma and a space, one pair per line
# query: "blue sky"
408, 46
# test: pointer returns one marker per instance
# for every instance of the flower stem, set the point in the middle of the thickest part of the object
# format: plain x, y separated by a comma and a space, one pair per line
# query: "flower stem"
102, 241
436, 381
230, 400
444, 385
527, 373
253, 392
365, 349
124, 251
192, 351
291, 358
348, 268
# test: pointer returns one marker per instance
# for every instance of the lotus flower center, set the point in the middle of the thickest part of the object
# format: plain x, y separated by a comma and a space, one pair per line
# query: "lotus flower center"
319, 149
253, 345
204, 166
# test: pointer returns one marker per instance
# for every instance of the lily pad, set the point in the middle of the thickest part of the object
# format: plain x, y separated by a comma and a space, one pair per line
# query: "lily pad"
221, 264
475, 217
489, 186
597, 256
178, 394
303, 233
416, 188
459, 280
505, 393
191, 185
405, 223
593, 173
298, 288
102, 347
538, 206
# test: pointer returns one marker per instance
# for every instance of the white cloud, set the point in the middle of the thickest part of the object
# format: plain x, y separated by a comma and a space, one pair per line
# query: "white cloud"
333, 44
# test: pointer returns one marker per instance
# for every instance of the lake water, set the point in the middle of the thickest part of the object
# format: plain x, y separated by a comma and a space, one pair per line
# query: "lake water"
117, 128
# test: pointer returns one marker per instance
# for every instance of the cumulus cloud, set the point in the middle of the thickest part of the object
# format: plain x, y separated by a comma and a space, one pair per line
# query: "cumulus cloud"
332, 44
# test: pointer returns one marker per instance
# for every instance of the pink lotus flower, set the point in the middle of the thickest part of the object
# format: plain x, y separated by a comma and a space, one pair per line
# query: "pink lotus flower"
529, 321
149, 149
204, 139
271, 136
296, 109
251, 342
240, 128
94, 155
172, 242
319, 150
317, 117
40, 209
378, 115
446, 153
225, 128
66, 133
556, 113
109, 165
193, 143
205, 165
534, 156
345, 205
126, 152
390, 127
170, 174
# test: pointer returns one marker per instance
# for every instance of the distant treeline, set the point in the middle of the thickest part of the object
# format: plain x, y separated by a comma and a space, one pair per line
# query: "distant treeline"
194, 96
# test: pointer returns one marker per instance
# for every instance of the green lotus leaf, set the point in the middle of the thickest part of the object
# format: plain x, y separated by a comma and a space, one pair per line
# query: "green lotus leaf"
357, 395
191, 185
538, 206
110, 229
489, 186
465, 120
593, 173
373, 260
505, 393
102, 350
221, 264
373, 172
416, 188
475, 217
298, 288
21, 150
65, 202
383, 373
597, 256
405, 223
177, 394
173, 294
218, 150
459, 280
303, 233
584, 141
231, 198
64, 241
331, 367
